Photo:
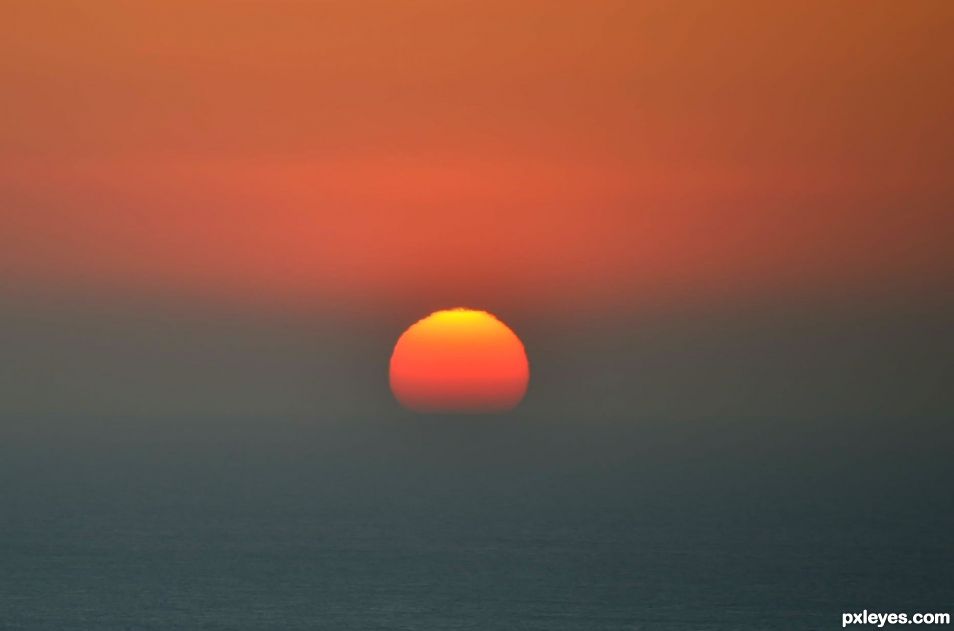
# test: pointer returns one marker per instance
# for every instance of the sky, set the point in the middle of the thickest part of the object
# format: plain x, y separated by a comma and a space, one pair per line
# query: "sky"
607, 154
229, 205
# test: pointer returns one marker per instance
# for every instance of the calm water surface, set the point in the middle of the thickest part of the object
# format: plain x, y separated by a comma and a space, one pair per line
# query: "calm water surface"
412, 529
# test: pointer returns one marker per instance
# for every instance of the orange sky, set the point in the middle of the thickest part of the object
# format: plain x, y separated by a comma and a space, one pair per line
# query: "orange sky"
473, 153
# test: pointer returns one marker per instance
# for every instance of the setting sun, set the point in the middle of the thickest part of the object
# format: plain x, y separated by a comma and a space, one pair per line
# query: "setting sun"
459, 360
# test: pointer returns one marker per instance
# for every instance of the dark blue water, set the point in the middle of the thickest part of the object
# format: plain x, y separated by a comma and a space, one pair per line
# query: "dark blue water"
494, 526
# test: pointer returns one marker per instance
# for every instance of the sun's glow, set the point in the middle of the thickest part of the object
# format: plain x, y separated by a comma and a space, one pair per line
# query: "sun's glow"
459, 360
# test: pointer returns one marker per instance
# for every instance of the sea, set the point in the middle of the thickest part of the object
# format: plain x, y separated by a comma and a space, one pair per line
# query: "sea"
469, 523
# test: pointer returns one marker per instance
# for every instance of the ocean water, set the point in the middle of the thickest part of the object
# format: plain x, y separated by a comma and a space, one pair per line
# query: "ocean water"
477, 526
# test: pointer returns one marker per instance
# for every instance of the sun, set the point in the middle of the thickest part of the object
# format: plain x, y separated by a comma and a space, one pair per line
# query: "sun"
459, 360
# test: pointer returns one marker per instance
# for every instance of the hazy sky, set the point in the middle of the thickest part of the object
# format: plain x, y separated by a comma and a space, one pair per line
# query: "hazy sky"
506, 155
238, 206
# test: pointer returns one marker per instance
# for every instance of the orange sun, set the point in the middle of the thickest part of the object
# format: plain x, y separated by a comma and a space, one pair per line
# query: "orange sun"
459, 360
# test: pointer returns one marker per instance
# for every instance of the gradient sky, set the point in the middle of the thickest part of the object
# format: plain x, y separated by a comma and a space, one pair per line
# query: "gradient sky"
512, 155
692, 210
